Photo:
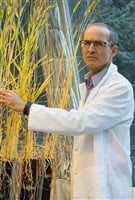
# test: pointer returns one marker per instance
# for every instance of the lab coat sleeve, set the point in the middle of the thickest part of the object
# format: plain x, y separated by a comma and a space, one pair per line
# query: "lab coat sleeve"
108, 109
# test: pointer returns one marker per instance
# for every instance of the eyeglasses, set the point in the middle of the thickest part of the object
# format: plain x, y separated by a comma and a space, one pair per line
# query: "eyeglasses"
96, 43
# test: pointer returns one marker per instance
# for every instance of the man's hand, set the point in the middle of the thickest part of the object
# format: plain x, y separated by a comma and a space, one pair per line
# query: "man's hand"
12, 100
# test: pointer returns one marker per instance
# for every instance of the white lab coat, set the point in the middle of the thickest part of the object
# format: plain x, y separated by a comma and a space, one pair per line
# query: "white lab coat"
101, 155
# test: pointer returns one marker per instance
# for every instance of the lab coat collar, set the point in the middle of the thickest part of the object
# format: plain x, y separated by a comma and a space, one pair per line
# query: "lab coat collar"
83, 89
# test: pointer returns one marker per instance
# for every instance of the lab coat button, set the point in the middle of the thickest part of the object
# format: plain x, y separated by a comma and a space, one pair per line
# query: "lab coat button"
76, 149
75, 173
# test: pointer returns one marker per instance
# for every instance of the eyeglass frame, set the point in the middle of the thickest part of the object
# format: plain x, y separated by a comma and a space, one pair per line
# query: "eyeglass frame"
95, 42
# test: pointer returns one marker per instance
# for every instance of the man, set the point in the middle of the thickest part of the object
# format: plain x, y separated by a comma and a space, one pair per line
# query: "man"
101, 155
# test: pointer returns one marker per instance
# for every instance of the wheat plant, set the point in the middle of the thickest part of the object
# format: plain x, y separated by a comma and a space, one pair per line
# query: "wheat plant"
37, 64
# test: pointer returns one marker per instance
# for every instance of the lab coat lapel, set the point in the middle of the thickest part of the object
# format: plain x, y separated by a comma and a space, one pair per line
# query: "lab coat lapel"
93, 93
83, 93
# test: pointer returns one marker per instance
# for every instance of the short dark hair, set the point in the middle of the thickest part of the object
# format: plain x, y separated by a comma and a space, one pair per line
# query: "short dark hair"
113, 35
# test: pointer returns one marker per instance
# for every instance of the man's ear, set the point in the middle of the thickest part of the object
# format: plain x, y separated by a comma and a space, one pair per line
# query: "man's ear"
114, 50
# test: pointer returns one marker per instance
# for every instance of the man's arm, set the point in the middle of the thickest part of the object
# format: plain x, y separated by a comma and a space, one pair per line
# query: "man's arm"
109, 109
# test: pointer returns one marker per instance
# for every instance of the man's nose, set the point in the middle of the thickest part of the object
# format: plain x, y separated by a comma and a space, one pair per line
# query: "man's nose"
91, 48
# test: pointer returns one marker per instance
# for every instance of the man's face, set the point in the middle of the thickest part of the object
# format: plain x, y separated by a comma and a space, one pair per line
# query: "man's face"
96, 55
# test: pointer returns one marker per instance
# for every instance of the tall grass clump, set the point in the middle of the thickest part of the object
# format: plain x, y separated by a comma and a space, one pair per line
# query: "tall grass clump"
37, 64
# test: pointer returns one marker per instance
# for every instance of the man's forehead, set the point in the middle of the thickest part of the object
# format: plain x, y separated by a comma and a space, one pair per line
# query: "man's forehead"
97, 28
100, 30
